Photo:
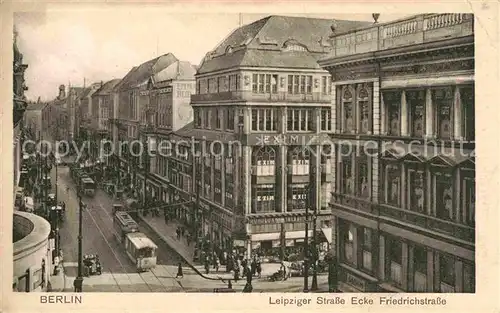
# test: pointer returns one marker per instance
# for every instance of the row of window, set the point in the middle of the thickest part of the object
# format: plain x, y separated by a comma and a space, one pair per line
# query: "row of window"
265, 83
267, 119
214, 118
407, 108
406, 185
360, 249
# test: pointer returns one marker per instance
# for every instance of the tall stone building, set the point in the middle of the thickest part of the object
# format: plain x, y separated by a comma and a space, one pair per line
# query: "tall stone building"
403, 127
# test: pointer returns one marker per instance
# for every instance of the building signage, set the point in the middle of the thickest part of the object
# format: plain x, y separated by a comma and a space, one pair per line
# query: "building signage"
144, 93
355, 281
286, 139
165, 90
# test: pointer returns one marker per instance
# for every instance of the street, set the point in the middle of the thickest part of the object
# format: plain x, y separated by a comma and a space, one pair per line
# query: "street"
119, 273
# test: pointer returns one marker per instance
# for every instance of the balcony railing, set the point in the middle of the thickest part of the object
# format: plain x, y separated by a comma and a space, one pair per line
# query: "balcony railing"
414, 30
456, 230
261, 97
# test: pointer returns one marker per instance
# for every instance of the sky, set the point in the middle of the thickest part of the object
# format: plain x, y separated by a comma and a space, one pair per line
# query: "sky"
70, 46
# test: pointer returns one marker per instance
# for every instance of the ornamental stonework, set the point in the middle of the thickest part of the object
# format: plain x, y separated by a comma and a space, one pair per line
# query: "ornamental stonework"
416, 69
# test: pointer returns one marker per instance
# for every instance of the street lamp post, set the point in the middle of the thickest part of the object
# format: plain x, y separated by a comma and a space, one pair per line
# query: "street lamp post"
78, 283
314, 285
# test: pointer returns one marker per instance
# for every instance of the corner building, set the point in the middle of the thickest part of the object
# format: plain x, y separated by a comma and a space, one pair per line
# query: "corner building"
404, 205
263, 101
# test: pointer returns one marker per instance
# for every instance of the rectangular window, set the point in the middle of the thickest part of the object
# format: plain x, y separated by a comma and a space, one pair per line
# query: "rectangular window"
297, 198
443, 195
395, 259
197, 118
416, 105
416, 194
218, 120
367, 249
300, 84
347, 109
300, 120
348, 239
443, 103
362, 176
326, 119
261, 83
326, 85
264, 199
290, 84
363, 98
392, 101
296, 84
264, 119
230, 119
212, 85
208, 118
446, 273
393, 184
469, 200
420, 269
468, 114
347, 176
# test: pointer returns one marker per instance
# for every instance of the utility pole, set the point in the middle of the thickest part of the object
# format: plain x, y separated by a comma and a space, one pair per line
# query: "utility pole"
78, 283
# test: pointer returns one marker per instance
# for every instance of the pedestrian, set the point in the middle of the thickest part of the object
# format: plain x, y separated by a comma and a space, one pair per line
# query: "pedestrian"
259, 269
253, 267
179, 271
236, 274
207, 266
56, 265
216, 264
178, 232
183, 231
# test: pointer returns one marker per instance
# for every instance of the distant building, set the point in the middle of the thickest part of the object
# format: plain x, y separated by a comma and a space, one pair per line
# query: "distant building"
35, 119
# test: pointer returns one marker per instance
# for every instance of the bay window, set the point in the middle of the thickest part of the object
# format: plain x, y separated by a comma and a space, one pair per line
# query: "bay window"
299, 84
468, 114
300, 119
415, 100
443, 194
443, 103
263, 198
416, 188
393, 184
446, 273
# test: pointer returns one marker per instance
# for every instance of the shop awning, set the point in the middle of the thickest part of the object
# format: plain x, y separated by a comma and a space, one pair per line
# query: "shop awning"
328, 234
300, 234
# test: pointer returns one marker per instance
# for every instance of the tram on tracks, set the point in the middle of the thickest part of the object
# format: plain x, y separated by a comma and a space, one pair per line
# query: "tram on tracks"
139, 248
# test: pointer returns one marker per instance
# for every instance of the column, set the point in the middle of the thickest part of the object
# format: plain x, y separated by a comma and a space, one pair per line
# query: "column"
377, 106
430, 271
381, 258
459, 276
429, 114
281, 180
334, 108
404, 266
374, 169
246, 165
457, 115
404, 115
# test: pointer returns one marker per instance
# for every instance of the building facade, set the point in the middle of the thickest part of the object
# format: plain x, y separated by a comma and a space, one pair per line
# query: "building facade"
403, 127
19, 85
102, 107
262, 111
85, 112
35, 118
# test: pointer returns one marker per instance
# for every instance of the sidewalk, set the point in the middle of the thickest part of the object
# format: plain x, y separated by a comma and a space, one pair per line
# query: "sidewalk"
167, 233
58, 282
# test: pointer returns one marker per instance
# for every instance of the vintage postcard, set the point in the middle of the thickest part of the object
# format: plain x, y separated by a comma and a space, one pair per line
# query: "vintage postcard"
295, 155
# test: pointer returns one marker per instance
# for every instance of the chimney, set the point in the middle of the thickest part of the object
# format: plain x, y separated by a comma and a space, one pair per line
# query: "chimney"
62, 92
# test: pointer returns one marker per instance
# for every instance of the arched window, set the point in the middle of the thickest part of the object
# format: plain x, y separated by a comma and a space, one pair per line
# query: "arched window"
265, 159
347, 105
